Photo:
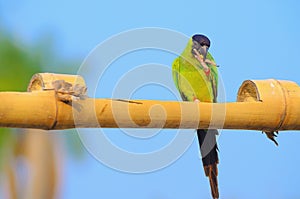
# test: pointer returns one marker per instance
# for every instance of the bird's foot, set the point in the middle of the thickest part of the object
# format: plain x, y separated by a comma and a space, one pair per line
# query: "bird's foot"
196, 100
271, 135
211, 62
200, 58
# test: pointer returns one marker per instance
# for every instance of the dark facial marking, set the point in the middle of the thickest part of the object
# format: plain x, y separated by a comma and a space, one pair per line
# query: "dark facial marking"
201, 39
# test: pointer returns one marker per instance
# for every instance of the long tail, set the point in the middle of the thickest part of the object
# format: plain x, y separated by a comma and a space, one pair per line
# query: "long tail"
210, 160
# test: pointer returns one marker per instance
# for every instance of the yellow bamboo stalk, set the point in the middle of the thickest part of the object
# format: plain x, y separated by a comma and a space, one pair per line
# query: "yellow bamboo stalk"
38, 149
267, 105
28, 109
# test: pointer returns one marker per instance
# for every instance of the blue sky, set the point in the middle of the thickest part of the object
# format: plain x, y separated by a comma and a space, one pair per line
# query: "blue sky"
250, 40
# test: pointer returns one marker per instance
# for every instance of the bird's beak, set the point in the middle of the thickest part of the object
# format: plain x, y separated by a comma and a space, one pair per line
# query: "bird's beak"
203, 51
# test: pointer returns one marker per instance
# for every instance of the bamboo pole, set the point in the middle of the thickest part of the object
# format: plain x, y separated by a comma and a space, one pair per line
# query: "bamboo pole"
267, 105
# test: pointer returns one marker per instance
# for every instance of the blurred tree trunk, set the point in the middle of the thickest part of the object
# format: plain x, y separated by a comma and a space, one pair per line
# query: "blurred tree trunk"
30, 159
33, 173
12, 183
42, 165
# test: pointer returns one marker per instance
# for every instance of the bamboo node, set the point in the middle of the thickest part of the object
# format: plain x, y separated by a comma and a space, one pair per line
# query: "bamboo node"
68, 88
280, 95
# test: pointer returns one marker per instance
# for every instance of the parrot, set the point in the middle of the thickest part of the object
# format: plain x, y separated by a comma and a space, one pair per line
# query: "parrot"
195, 75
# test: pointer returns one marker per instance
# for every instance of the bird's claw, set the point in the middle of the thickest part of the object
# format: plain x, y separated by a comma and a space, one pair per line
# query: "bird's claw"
203, 62
211, 63
200, 58
271, 135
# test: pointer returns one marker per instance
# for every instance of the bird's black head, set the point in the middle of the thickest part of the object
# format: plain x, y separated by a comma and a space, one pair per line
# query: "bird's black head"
202, 40
201, 44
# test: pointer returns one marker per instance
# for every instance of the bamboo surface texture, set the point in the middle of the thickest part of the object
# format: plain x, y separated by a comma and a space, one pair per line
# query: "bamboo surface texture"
56, 101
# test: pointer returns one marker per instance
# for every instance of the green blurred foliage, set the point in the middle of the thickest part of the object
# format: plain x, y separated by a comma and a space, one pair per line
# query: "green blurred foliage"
18, 62
16, 65
16, 68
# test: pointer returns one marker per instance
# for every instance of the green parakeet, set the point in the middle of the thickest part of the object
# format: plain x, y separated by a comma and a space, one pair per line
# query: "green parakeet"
196, 77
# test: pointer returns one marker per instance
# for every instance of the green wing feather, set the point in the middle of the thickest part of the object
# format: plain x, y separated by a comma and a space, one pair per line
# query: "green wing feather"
213, 78
190, 79
175, 72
